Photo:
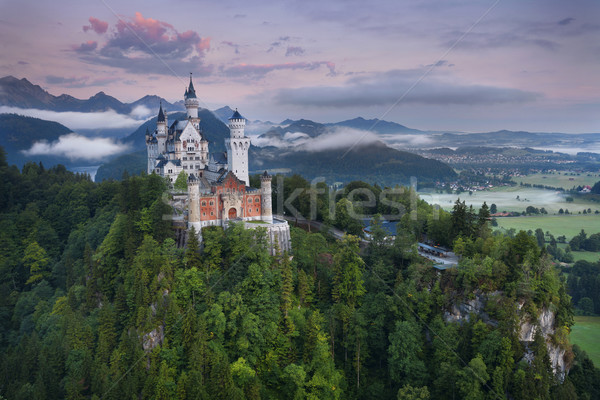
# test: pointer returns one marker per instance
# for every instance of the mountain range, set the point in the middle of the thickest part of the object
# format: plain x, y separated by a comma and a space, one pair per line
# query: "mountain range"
23, 94
302, 145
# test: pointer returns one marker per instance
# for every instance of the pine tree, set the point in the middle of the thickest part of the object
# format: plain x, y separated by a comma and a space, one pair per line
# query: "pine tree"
192, 251
36, 260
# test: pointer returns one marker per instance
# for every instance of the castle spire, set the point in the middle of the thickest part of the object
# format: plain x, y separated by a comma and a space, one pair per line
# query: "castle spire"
161, 114
190, 92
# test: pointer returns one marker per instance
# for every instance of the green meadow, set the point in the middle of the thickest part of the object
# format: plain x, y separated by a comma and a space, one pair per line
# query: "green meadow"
514, 198
586, 334
562, 179
557, 225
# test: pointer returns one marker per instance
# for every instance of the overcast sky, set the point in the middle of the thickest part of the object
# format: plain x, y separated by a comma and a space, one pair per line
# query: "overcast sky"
439, 65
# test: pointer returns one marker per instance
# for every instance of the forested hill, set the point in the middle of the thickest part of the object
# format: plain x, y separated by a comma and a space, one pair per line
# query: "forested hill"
18, 132
97, 301
374, 162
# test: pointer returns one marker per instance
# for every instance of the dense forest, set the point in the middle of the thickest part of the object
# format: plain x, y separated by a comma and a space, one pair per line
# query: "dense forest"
98, 302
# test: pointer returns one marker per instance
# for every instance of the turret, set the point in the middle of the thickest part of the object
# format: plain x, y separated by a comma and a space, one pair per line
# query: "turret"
191, 102
161, 130
194, 205
265, 188
237, 147
237, 125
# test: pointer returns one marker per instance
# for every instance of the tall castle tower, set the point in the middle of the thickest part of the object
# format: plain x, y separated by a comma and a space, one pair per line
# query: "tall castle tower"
267, 208
192, 104
161, 130
194, 205
237, 147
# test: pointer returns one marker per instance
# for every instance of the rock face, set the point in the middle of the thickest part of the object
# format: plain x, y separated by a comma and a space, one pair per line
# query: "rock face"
153, 338
462, 312
545, 321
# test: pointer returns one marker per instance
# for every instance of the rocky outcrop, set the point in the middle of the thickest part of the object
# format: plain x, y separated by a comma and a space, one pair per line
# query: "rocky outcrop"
544, 322
462, 312
153, 338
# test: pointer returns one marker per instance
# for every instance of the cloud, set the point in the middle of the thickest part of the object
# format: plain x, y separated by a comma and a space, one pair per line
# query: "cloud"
86, 47
141, 112
77, 147
289, 140
399, 85
260, 70
340, 138
22, 63
441, 63
78, 81
334, 138
236, 47
79, 120
294, 51
566, 21
402, 142
148, 45
487, 40
100, 27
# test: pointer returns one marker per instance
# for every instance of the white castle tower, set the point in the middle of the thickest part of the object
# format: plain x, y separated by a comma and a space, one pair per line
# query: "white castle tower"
192, 104
267, 208
161, 131
194, 205
237, 147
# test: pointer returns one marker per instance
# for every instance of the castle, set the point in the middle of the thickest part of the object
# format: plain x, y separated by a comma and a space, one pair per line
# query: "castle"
218, 190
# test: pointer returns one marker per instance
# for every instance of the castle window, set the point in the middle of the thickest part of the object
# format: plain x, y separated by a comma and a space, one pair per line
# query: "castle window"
203, 203
185, 167
257, 210
212, 203
204, 214
197, 158
184, 158
249, 200
170, 171
190, 148
212, 213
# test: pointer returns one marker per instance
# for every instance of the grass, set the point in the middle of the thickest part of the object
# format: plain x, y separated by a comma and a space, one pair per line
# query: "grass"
565, 180
506, 199
256, 222
586, 334
568, 225
590, 256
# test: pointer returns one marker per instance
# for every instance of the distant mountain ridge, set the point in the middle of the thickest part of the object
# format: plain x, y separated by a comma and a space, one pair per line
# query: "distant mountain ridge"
23, 94
376, 125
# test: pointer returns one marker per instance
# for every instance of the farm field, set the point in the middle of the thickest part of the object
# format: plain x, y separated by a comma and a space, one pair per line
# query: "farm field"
506, 199
557, 225
586, 256
564, 179
586, 334
590, 256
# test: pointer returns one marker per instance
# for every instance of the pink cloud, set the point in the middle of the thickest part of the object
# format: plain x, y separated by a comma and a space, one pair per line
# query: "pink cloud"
260, 70
136, 41
100, 27
155, 37
86, 47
